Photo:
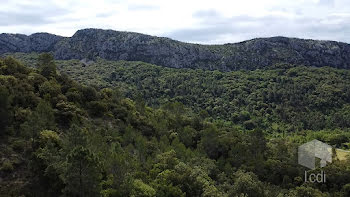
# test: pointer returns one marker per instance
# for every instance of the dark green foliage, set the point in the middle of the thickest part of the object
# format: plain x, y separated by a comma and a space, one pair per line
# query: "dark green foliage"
346, 190
298, 97
89, 93
140, 189
247, 184
41, 119
47, 65
44, 165
210, 134
82, 173
97, 108
10, 66
4, 109
209, 142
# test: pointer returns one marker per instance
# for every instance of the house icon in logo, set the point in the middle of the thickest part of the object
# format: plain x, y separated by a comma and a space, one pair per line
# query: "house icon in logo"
308, 152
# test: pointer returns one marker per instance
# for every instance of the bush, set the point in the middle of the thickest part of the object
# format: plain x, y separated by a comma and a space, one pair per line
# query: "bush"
18, 145
97, 108
247, 183
142, 189
7, 166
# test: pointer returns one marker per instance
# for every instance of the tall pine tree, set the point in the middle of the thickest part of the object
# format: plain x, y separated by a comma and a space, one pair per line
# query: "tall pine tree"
46, 65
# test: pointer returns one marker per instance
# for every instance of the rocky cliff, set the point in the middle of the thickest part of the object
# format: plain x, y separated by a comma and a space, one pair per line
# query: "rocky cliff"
115, 45
39, 42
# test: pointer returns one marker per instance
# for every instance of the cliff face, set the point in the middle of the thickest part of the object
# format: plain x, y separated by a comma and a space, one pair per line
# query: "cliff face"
114, 45
39, 42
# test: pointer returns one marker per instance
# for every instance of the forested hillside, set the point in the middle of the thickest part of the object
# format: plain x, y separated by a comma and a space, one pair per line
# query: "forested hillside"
280, 96
136, 129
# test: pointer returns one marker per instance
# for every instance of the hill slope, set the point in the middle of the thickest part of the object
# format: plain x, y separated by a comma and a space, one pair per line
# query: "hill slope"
61, 138
115, 45
297, 97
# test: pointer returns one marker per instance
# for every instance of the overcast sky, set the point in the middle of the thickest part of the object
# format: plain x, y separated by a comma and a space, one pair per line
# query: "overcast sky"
215, 21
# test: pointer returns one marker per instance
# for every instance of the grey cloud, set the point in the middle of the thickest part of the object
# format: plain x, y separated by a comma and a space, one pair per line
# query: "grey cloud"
7, 19
20, 14
198, 35
214, 27
247, 27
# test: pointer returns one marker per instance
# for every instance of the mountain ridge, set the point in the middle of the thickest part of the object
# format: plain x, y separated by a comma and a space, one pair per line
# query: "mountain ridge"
117, 45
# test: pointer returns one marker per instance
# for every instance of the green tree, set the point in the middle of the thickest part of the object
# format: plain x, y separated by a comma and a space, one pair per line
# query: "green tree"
346, 190
97, 108
4, 108
46, 65
89, 93
209, 142
42, 118
187, 135
51, 88
46, 165
306, 192
247, 183
76, 136
141, 189
11, 66
82, 175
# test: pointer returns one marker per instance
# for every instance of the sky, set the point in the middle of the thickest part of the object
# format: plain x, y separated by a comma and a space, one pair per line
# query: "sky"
196, 21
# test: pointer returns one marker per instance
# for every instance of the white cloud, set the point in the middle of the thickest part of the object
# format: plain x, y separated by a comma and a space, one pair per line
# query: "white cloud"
200, 21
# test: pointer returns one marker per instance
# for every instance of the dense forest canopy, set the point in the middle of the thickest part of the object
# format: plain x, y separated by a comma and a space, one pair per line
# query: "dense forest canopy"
282, 95
133, 129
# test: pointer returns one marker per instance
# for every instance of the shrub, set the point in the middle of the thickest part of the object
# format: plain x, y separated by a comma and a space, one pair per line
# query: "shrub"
7, 166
